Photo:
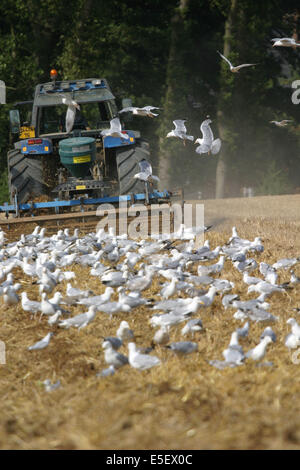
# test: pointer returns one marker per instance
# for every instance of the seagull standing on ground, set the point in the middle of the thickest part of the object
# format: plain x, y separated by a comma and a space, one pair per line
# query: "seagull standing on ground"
141, 361
31, 306
43, 343
183, 347
112, 357
193, 325
81, 320
49, 387
259, 351
234, 353
10, 296
162, 335
124, 332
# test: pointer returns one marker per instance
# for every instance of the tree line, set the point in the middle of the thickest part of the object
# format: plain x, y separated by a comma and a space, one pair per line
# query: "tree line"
165, 54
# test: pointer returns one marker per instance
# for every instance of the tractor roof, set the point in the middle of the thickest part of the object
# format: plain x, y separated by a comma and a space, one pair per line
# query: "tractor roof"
84, 90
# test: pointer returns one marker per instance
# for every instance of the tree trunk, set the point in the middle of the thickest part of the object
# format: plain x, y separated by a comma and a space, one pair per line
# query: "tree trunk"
295, 25
221, 166
171, 104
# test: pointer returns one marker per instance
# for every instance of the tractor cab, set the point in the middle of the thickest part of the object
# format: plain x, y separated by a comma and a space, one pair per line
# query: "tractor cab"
45, 159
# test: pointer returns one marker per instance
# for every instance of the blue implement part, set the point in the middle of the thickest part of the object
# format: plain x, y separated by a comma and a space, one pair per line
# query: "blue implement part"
56, 204
37, 146
110, 142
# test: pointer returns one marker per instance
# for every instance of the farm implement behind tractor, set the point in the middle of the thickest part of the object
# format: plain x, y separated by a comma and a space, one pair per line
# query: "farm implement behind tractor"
56, 174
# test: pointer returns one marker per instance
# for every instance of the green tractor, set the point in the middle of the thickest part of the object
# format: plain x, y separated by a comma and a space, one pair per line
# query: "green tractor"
46, 160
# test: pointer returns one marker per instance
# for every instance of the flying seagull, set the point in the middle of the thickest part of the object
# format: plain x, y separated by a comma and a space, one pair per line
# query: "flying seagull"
146, 172
282, 123
285, 42
234, 69
71, 112
207, 143
180, 131
145, 111
115, 130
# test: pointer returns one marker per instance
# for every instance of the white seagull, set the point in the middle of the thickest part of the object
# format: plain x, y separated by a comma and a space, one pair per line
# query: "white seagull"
234, 353
81, 320
124, 332
193, 325
146, 172
259, 351
285, 42
234, 69
141, 361
162, 335
112, 357
10, 296
71, 112
115, 130
49, 387
294, 326
145, 111
282, 123
31, 306
183, 347
43, 343
180, 131
207, 143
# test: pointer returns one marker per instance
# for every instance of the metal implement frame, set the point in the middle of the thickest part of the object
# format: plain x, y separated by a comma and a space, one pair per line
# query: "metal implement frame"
30, 207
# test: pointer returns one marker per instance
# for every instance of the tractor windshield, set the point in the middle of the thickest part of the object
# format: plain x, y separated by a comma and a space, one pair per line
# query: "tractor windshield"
93, 115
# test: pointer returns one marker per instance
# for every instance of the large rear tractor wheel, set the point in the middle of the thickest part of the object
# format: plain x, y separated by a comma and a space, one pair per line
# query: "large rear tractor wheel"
25, 176
128, 165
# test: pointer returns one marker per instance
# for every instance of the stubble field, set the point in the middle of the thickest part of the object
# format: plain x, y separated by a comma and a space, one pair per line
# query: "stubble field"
184, 403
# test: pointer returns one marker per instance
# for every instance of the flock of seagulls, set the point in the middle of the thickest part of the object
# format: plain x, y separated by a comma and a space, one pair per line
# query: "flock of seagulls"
206, 142
135, 265
190, 280
208, 145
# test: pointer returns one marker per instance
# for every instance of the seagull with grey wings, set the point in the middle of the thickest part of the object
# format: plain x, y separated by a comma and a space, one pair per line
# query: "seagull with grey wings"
71, 112
234, 69
145, 111
207, 144
180, 131
282, 123
285, 42
115, 130
146, 172
43, 343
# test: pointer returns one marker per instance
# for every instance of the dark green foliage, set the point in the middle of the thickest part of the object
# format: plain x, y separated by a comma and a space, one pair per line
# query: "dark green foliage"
130, 44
